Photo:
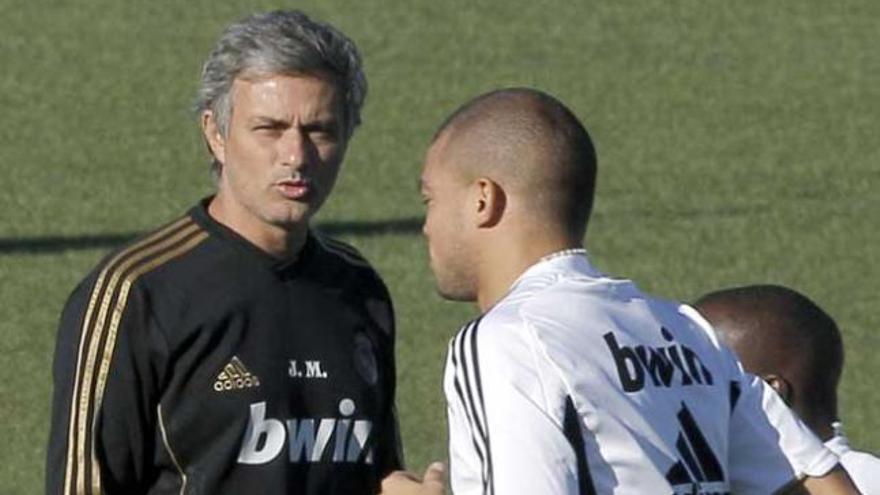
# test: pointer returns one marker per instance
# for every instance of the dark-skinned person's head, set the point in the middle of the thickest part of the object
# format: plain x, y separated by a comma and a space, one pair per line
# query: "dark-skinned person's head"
785, 338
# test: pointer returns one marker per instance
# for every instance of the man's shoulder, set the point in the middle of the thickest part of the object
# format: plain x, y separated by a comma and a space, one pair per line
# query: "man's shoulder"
341, 263
500, 326
126, 265
117, 282
541, 308
550, 289
499, 339
341, 252
612, 304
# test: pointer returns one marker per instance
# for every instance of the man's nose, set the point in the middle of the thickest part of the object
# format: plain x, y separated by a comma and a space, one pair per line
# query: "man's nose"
293, 148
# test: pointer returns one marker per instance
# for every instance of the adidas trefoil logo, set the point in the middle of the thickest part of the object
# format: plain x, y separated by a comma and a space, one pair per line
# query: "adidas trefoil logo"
235, 377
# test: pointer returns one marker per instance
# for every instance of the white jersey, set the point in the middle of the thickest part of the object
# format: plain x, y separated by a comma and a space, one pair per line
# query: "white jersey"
863, 468
576, 383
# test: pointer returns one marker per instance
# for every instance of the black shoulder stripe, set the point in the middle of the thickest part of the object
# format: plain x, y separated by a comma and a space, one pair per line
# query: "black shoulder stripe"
469, 388
482, 405
476, 439
571, 426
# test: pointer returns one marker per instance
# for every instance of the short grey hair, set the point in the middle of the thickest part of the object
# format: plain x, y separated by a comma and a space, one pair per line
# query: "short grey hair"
281, 42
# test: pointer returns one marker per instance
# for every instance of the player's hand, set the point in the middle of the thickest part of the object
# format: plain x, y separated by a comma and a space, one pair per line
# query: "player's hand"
406, 483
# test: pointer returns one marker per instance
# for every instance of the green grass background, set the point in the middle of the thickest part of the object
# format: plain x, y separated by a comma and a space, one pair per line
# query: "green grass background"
737, 142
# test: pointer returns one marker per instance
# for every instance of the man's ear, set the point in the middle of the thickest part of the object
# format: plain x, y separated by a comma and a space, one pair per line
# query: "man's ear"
214, 139
490, 202
781, 386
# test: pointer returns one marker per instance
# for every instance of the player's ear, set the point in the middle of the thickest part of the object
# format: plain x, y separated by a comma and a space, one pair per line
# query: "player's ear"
214, 139
781, 386
490, 202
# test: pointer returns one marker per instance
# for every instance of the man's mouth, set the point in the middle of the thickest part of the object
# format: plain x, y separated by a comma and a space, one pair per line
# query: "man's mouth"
294, 189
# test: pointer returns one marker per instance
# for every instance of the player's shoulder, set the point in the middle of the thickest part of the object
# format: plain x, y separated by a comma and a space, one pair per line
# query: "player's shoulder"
538, 306
498, 339
147, 252
341, 265
343, 262
120, 277
500, 326
339, 251
577, 283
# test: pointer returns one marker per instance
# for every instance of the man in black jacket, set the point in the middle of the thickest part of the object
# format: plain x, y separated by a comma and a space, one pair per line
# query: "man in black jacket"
235, 350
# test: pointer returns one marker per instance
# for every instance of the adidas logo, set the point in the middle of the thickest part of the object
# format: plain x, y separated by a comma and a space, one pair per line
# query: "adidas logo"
235, 377
698, 472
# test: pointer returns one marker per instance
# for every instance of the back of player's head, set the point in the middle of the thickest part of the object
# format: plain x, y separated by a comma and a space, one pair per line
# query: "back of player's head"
532, 144
777, 331
281, 42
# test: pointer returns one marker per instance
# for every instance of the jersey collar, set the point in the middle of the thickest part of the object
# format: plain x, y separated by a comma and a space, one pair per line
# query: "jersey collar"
838, 444
559, 262
286, 266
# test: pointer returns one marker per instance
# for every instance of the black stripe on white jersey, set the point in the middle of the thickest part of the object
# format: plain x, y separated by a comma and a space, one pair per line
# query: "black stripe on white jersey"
457, 383
571, 426
469, 388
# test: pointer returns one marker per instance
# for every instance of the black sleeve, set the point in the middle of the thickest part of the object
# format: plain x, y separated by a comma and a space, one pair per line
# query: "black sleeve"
106, 380
390, 447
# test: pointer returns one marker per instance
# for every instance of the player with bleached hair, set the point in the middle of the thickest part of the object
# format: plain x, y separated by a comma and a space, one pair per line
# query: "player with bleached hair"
572, 381
785, 338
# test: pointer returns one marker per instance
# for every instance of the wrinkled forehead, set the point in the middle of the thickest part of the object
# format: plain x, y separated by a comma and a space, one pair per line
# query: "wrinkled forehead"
316, 92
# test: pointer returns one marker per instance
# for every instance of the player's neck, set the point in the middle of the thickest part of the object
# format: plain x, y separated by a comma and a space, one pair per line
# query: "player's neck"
507, 259
279, 242
821, 425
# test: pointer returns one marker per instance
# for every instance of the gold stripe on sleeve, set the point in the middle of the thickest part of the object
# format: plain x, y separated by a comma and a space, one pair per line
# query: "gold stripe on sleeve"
96, 292
109, 346
89, 336
86, 404
171, 452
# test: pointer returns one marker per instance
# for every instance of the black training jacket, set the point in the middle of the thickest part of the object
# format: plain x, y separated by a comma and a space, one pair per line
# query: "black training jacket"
191, 362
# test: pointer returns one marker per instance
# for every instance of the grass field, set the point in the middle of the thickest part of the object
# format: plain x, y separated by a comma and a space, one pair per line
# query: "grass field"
737, 143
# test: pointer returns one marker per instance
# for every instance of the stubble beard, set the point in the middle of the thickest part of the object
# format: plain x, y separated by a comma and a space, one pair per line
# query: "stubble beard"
290, 216
455, 282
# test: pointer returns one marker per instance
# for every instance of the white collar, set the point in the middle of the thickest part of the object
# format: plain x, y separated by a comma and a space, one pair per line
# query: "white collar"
562, 253
565, 260
838, 444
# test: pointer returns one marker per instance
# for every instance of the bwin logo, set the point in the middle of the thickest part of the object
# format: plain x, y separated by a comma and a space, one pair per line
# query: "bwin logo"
264, 437
660, 363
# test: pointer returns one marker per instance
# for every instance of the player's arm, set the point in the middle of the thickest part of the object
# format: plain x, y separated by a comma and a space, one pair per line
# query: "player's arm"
390, 447
527, 439
837, 482
104, 400
772, 451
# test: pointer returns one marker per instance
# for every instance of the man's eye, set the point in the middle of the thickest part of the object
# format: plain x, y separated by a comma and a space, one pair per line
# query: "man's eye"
323, 134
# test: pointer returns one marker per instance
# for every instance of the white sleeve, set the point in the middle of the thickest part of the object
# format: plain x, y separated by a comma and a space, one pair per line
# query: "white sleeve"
503, 437
864, 469
769, 446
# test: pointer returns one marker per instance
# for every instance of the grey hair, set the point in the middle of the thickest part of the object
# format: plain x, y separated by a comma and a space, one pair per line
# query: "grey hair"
281, 42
